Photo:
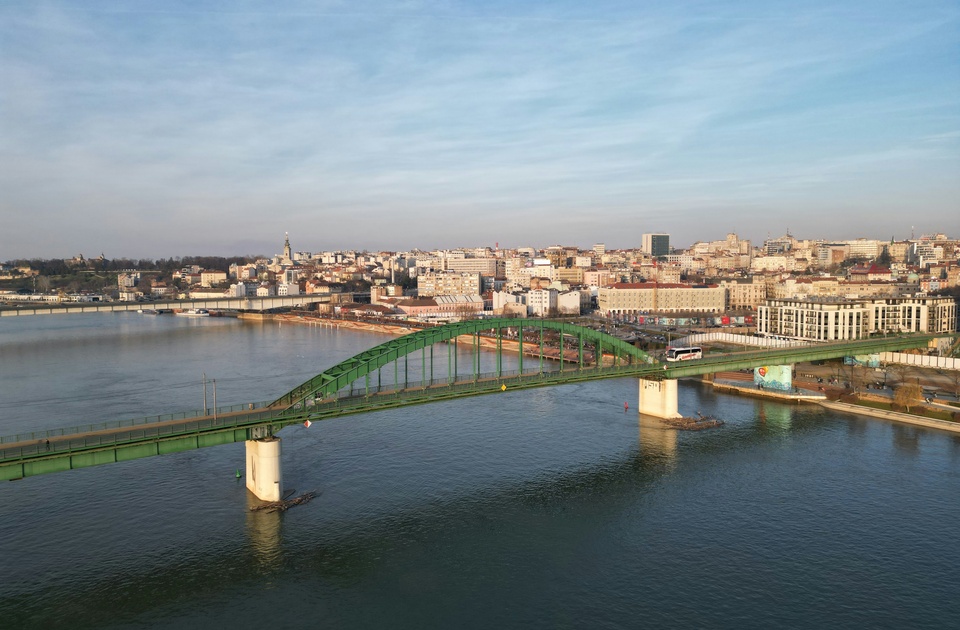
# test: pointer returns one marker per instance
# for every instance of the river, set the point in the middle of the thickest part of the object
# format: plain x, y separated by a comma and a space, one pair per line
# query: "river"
547, 508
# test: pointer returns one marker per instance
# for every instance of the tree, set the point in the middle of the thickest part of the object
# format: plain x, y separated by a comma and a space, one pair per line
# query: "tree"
899, 371
858, 379
907, 395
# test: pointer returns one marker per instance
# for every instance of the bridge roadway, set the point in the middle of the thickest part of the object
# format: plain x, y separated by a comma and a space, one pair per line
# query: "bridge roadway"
234, 304
66, 449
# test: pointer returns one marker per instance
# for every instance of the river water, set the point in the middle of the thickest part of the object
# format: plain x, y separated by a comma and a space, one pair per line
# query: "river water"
549, 508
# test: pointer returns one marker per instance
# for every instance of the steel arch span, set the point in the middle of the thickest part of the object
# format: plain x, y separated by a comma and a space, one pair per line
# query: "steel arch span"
332, 380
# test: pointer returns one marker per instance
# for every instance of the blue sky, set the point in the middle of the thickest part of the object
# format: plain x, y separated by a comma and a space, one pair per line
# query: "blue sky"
153, 129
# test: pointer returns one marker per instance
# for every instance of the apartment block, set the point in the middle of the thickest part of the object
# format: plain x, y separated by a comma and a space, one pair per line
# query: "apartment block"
634, 298
840, 319
448, 283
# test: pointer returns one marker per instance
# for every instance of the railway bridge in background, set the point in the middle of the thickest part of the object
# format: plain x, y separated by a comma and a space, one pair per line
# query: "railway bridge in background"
549, 353
11, 309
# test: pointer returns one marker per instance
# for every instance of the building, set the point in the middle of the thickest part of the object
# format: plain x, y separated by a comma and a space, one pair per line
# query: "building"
865, 249
494, 267
542, 302
506, 303
452, 307
745, 294
573, 302
827, 319
212, 277
596, 277
128, 280
829, 254
448, 283
655, 245
647, 297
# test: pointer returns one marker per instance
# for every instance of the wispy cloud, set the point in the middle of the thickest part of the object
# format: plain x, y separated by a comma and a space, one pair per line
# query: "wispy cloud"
385, 125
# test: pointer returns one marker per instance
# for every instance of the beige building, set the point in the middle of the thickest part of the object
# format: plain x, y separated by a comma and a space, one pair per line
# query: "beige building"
495, 267
749, 293
570, 275
210, 278
448, 283
623, 298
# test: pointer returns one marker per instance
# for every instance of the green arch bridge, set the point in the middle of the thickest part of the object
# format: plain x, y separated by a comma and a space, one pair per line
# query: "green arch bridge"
554, 353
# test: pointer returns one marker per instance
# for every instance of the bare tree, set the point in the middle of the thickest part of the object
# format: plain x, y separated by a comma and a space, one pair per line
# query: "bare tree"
899, 371
858, 379
907, 395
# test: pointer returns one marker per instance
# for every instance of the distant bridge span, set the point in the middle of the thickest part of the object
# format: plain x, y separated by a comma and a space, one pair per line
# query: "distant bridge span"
237, 304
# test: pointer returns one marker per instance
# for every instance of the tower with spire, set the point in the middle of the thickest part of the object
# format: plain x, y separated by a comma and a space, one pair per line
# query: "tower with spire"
287, 254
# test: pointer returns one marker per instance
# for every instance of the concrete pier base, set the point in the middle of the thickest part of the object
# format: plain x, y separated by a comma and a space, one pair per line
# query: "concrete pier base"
659, 398
263, 468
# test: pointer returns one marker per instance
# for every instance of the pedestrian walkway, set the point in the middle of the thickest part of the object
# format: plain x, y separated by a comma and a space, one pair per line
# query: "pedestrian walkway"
743, 384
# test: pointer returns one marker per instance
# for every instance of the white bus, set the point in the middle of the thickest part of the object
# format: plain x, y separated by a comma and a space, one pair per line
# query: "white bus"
682, 354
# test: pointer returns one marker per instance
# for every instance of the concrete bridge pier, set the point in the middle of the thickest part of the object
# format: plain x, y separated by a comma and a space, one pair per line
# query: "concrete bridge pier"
659, 398
263, 468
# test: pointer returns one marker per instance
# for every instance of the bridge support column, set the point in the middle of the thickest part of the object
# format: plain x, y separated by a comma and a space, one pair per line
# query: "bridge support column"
659, 398
263, 468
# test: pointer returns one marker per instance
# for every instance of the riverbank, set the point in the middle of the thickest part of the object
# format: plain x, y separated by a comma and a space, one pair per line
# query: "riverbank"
895, 416
730, 383
399, 329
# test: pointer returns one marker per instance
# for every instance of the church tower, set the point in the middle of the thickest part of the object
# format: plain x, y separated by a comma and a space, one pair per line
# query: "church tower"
287, 254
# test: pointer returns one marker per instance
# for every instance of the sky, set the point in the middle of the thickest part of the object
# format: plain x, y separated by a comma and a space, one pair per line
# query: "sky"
146, 129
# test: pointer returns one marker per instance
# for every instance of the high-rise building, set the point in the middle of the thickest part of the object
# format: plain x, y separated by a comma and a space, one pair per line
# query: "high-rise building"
655, 244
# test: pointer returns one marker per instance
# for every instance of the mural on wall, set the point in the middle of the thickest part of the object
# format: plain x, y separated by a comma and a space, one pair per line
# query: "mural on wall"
779, 377
866, 360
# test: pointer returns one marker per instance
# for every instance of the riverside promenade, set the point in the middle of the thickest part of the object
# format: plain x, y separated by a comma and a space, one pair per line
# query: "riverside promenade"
742, 383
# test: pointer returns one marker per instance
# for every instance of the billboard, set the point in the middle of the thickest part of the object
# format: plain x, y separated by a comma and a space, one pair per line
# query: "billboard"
779, 377
866, 360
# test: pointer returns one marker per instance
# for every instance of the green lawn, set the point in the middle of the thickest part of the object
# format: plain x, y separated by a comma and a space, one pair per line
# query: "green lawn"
918, 410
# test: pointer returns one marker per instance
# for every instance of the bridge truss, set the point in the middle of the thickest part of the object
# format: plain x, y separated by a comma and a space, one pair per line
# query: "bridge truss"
568, 344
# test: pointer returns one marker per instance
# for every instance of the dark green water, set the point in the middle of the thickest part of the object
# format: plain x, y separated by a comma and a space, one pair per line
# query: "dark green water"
549, 508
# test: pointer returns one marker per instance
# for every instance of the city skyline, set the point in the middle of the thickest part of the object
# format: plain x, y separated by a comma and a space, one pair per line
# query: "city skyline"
212, 128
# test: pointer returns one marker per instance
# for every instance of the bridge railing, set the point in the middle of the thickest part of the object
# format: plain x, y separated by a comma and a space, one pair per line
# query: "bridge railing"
133, 422
131, 433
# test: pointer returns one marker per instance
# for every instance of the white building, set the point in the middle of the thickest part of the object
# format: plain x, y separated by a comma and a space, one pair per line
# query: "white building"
573, 302
838, 319
288, 288
542, 302
648, 297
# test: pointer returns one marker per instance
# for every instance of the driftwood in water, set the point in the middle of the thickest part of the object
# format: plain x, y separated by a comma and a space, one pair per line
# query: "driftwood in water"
282, 506
699, 423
